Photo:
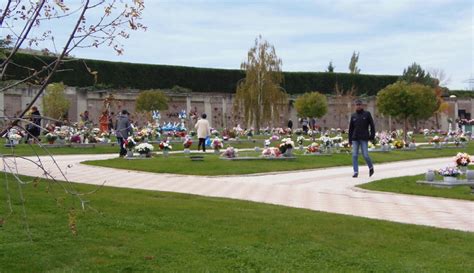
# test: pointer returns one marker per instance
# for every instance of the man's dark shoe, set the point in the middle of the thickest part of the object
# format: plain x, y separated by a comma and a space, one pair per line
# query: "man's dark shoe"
355, 175
371, 172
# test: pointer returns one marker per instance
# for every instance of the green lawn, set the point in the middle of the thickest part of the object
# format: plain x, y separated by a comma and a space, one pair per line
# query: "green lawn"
407, 185
137, 231
212, 165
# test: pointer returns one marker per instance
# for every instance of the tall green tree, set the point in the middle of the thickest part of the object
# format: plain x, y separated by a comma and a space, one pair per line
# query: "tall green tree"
259, 94
150, 100
55, 102
353, 63
313, 105
407, 102
415, 74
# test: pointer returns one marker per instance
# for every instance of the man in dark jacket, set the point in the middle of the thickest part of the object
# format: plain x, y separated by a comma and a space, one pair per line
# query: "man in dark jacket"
359, 136
123, 130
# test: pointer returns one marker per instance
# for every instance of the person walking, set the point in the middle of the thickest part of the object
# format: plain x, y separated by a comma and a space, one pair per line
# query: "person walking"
203, 131
361, 130
123, 130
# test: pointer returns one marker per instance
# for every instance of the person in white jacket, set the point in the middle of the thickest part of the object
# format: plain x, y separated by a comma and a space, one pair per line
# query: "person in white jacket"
203, 131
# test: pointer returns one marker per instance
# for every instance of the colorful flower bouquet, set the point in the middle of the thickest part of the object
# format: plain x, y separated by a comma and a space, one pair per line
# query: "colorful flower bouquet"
462, 159
187, 142
129, 143
165, 145
271, 152
144, 148
230, 152
313, 148
217, 144
398, 144
435, 139
286, 144
449, 171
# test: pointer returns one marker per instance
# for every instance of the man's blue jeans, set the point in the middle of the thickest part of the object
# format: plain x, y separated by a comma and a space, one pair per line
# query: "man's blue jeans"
364, 147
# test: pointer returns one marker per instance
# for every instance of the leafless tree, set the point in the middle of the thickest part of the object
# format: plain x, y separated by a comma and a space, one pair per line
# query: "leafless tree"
41, 24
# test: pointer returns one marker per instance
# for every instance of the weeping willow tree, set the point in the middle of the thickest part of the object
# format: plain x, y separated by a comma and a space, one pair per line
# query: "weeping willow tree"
259, 94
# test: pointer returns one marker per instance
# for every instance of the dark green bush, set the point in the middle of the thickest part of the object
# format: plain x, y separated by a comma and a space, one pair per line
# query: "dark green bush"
147, 76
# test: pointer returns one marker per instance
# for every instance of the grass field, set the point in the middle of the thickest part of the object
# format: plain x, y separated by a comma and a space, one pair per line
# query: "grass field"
212, 165
136, 230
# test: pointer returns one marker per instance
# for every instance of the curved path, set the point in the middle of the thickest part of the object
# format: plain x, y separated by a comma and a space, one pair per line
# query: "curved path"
331, 190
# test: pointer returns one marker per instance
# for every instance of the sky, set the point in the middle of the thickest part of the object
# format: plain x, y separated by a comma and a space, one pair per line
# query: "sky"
307, 35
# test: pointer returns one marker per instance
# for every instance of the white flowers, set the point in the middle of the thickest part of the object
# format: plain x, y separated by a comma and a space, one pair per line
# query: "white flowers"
144, 148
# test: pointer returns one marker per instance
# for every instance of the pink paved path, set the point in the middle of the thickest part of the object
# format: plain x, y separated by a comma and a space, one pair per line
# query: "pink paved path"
330, 190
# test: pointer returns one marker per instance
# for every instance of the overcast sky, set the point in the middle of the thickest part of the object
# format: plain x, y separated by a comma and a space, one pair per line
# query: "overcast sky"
307, 35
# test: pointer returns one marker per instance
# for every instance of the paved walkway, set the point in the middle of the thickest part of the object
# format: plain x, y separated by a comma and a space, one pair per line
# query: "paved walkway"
330, 190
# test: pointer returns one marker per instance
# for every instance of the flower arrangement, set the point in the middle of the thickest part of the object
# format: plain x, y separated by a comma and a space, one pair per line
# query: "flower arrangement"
313, 148
300, 140
298, 131
286, 143
187, 142
274, 138
337, 139
449, 171
249, 132
214, 132
182, 114
398, 144
345, 144
271, 152
165, 145
51, 137
230, 152
462, 159
435, 139
14, 136
144, 148
383, 138
129, 143
267, 143
325, 141
217, 144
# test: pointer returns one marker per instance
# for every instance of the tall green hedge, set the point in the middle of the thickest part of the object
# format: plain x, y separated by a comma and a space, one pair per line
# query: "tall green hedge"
146, 76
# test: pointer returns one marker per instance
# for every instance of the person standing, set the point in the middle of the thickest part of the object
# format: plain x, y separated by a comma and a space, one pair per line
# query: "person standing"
34, 128
361, 130
290, 124
203, 131
123, 130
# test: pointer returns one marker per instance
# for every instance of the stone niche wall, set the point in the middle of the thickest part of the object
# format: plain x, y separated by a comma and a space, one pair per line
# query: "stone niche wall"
218, 107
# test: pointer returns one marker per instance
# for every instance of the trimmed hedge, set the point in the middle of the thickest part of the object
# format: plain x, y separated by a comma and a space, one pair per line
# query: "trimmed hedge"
147, 76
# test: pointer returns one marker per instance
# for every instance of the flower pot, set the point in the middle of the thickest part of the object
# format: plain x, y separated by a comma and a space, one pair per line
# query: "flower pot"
187, 151
429, 176
51, 141
470, 175
449, 179
412, 146
288, 152
216, 151
129, 153
462, 169
166, 152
